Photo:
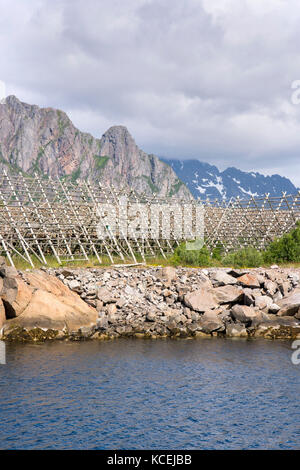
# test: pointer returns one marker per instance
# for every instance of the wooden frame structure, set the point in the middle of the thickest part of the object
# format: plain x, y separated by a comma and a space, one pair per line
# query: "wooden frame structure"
41, 217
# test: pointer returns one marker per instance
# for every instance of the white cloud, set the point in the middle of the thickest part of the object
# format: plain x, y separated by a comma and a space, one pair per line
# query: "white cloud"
2, 90
207, 79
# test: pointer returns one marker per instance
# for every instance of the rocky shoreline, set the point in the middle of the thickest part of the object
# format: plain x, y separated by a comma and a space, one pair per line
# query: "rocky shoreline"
148, 302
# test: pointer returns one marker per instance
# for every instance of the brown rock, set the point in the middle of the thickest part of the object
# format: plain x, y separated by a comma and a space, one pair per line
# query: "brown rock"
284, 287
228, 294
43, 281
8, 271
271, 287
263, 302
16, 296
105, 295
111, 309
99, 305
169, 274
201, 300
50, 311
9, 289
243, 313
221, 278
289, 305
249, 280
209, 326
249, 298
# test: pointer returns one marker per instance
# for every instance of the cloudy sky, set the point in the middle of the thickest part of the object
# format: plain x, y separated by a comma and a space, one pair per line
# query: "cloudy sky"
206, 79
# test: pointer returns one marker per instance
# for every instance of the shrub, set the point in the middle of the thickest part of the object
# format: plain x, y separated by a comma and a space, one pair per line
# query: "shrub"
191, 257
217, 253
285, 249
244, 258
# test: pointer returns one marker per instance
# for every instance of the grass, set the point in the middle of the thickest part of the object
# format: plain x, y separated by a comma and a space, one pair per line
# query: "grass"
52, 262
154, 261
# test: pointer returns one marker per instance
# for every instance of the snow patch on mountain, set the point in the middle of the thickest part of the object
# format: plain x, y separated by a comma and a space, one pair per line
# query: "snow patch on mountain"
206, 181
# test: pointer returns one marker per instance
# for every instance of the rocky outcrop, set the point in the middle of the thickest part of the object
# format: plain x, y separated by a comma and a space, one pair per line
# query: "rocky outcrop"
44, 141
150, 302
38, 306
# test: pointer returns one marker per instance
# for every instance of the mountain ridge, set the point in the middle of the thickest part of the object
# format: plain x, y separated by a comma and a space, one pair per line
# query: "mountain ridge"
45, 141
207, 181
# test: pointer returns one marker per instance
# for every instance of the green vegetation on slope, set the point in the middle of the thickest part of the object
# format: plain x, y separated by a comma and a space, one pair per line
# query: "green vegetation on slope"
282, 251
152, 186
175, 188
100, 161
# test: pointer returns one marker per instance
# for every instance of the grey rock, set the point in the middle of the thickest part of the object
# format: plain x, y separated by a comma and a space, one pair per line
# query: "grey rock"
243, 314
105, 295
263, 302
221, 278
228, 294
235, 330
201, 300
289, 305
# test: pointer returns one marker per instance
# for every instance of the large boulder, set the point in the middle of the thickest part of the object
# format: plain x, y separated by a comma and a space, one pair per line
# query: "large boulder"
47, 304
201, 300
16, 295
243, 313
290, 304
8, 271
228, 294
49, 311
221, 278
210, 322
270, 287
263, 302
249, 280
41, 280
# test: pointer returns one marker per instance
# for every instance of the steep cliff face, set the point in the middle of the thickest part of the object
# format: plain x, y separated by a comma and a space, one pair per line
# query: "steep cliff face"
45, 141
145, 173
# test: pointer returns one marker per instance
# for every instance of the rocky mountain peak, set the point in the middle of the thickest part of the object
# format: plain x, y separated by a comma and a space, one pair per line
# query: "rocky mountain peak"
45, 141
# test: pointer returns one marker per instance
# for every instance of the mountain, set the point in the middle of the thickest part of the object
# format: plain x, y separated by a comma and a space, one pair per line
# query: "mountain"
206, 181
44, 141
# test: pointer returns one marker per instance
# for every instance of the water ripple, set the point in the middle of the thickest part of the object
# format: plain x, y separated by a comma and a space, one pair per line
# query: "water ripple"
135, 394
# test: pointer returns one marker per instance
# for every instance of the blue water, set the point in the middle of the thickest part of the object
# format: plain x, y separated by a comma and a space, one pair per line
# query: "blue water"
147, 394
